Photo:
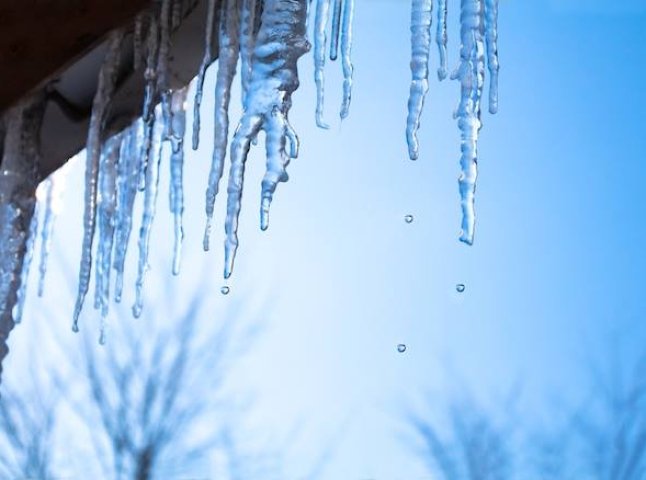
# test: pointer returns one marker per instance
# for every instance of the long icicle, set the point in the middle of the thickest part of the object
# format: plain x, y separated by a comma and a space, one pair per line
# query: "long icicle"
150, 202
102, 99
127, 178
228, 58
336, 28
320, 51
491, 35
421, 19
281, 42
346, 55
18, 181
207, 59
441, 39
470, 73
176, 191
106, 208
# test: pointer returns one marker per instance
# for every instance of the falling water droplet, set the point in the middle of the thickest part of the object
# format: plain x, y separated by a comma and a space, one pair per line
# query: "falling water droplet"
409, 219
225, 290
460, 287
401, 348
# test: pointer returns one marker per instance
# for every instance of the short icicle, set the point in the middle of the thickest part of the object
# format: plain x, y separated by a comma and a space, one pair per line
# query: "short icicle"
150, 202
102, 99
491, 35
346, 56
227, 61
281, 42
421, 19
176, 191
207, 59
470, 73
320, 43
18, 181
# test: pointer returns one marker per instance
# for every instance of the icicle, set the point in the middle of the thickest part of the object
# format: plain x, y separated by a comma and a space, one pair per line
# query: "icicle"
106, 206
346, 50
26, 266
53, 186
247, 41
320, 43
206, 61
18, 181
228, 58
281, 41
150, 201
127, 177
471, 75
163, 83
442, 39
150, 97
491, 33
336, 27
176, 195
102, 99
421, 19
46, 233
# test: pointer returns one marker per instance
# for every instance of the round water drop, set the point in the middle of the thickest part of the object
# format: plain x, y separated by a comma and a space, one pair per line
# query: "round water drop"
460, 287
409, 218
401, 348
225, 290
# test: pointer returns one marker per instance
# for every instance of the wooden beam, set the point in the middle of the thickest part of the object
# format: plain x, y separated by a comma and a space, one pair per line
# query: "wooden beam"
39, 38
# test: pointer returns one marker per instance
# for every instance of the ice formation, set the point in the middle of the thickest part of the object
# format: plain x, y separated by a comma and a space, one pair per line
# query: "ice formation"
478, 23
267, 37
341, 33
20, 154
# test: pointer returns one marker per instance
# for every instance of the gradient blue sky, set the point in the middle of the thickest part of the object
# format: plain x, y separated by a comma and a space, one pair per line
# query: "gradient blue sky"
556, 272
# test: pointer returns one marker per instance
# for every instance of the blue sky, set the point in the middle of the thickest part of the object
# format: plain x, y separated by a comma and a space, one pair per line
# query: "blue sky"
339, 279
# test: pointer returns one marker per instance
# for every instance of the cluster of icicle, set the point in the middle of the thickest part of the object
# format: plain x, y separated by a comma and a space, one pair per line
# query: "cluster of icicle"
127, 162
478, 32
267, 37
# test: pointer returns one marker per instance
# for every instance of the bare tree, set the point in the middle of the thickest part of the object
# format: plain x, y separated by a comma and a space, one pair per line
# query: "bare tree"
469, 445
153, 394
611, 428
27, 425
